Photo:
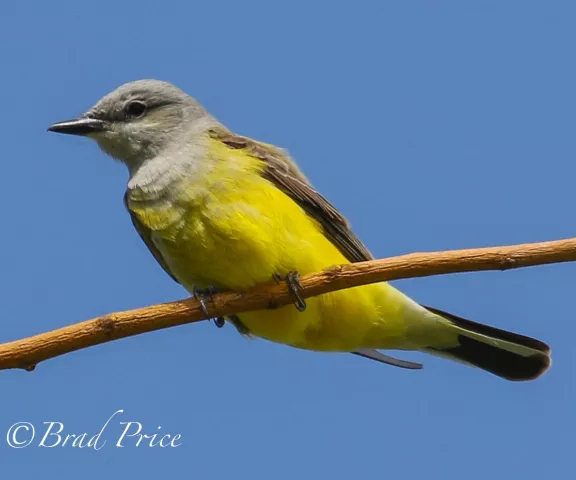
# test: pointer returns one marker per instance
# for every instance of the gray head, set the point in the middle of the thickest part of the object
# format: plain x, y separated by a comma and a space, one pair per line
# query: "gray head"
138, 120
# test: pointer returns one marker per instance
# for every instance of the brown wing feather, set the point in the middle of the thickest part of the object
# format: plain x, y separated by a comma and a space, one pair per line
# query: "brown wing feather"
145, 236
283, 172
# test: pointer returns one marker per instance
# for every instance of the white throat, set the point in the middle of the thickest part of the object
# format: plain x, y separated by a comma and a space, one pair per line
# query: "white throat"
184, 158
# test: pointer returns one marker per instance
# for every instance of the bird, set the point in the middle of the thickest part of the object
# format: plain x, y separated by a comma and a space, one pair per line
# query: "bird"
223, 212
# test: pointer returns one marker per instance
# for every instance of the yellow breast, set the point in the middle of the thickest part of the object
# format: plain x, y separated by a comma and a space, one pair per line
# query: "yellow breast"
234, 229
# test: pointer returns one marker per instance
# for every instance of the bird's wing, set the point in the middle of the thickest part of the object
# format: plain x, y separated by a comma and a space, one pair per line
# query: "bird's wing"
145, 236
380, 357
281, 170
284, 174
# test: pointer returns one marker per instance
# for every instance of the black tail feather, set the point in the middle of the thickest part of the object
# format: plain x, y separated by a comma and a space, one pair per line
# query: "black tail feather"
495, 359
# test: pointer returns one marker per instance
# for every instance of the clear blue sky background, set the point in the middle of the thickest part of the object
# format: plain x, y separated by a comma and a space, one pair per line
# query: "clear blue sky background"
431, 125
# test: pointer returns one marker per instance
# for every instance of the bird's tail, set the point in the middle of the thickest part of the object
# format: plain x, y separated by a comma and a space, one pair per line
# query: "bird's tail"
506, 354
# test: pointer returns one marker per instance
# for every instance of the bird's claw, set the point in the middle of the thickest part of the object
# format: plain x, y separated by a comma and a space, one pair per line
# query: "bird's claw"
294, 285
204, 294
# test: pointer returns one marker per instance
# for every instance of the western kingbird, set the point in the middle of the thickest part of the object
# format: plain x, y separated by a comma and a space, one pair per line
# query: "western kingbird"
222, 211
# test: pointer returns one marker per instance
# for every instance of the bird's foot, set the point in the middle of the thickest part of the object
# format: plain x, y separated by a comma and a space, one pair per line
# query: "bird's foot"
294, 285
203, 295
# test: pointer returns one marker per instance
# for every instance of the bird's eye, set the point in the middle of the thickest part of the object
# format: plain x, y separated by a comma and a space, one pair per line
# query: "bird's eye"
135, 109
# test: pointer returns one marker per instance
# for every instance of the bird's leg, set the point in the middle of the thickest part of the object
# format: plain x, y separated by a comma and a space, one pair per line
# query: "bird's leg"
203, 294
293, 282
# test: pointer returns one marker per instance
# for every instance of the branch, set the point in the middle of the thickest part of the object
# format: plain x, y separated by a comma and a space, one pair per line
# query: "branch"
28, 352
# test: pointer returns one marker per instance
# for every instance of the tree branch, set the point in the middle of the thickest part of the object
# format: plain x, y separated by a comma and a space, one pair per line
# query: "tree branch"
28, 352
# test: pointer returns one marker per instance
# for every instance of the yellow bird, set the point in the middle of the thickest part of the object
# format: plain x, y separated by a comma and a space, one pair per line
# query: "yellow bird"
218, 210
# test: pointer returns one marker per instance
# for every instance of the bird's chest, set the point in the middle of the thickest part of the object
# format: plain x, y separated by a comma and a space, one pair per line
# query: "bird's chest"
230, 237
202, 252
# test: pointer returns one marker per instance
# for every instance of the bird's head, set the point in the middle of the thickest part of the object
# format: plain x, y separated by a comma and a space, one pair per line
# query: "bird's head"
138, 120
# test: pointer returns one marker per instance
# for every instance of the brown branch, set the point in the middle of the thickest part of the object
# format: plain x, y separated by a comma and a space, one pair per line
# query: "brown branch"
28, 352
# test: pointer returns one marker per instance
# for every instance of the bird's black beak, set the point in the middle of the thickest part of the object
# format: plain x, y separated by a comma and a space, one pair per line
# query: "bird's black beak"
79, 126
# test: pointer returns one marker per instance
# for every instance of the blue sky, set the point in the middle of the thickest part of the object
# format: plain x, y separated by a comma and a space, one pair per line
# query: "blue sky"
431, 125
